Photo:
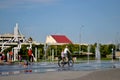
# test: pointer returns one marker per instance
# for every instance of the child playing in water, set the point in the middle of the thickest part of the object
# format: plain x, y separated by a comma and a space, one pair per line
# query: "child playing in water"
25, 63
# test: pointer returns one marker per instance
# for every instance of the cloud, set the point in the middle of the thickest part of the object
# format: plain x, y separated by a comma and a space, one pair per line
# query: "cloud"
16, 3
40, 0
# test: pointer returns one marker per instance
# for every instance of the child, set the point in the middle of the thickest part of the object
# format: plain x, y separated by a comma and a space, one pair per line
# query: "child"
25, 63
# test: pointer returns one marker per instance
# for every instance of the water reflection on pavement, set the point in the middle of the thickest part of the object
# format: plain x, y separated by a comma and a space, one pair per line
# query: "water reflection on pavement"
43, 67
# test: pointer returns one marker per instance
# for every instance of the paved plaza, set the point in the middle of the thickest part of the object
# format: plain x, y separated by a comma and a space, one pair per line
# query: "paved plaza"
105, 70
108, 74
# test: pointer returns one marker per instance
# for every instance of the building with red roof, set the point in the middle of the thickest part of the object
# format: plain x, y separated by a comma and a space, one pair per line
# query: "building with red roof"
58, 39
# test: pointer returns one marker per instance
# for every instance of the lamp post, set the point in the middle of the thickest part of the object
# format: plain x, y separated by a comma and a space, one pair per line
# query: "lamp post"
80, 39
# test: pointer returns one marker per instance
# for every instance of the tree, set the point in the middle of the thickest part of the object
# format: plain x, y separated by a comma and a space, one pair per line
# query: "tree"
30, 39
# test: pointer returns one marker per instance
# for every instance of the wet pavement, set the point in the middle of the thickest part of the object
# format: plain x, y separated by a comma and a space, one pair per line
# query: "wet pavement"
14, 69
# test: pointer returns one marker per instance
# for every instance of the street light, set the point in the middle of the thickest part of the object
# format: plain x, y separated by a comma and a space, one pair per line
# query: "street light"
80, 38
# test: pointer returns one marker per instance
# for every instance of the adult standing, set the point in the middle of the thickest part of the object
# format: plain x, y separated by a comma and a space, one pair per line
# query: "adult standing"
30, 55
11, 56
0, 56
3, 56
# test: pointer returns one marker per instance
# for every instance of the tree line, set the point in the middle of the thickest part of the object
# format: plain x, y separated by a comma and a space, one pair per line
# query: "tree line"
47, 50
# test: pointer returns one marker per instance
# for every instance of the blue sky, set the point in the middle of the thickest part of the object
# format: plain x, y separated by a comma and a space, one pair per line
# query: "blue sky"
38, 18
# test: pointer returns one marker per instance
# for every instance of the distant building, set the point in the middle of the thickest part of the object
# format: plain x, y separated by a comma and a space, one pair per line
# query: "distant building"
58, 39
117, 54
8, 36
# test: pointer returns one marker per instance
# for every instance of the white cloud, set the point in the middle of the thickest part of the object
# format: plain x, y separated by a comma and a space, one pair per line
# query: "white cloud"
40, 0
14, 3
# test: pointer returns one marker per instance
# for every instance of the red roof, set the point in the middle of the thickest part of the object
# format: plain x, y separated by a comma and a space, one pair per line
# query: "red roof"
61, 39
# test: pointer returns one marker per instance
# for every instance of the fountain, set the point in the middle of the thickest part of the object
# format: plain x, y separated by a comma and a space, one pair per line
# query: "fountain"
42, 67
88, 53
97, 53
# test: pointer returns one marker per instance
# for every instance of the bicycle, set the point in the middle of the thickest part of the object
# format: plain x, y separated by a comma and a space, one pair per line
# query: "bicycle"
63, 62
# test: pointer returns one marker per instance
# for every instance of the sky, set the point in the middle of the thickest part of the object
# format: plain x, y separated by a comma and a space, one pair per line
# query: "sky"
82, 21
